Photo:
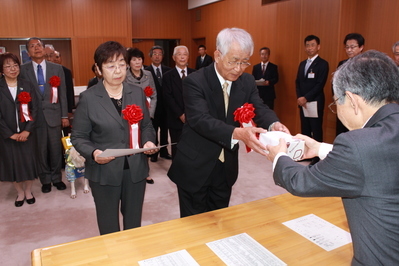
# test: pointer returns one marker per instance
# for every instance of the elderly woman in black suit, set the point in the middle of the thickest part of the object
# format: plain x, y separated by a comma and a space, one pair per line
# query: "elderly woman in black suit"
18, 109
113, 115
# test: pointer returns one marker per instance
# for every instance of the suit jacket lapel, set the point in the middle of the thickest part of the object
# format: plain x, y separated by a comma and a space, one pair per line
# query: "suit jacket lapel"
216, 91
4, 89
235, 101
107, 104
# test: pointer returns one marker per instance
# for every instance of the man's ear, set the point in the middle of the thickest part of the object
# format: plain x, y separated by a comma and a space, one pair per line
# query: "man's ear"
217, 55
353, 100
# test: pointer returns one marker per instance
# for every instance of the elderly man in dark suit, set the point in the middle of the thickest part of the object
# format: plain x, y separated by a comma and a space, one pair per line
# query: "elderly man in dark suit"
266, 74
203, 59
173, 94
361, 166
52, 114
160, 120
206, 164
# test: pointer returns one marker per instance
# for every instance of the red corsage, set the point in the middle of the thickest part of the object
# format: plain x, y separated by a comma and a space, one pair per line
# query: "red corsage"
133, 114
55, 82
244, 116
24, 98
148, 91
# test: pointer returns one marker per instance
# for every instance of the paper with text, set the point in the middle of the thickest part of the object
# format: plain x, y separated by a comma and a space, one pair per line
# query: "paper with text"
181, 257
310, 110
243, 250
319, 231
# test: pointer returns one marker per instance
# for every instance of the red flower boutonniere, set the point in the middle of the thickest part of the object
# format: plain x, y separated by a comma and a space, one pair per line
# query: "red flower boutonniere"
244, 116
133, 114
24, 98
148, 91
55, 82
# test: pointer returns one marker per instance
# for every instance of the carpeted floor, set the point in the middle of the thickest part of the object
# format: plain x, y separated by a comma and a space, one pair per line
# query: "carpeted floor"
55, 218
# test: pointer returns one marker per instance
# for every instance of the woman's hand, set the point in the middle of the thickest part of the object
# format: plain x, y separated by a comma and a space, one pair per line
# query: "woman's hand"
149, 144
101, 160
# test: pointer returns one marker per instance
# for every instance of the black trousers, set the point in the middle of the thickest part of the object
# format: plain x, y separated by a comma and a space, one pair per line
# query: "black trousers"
214, 195
312, 127
175, 135
128, 197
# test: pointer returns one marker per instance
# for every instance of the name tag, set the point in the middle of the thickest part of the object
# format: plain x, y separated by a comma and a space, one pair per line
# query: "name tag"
311, 75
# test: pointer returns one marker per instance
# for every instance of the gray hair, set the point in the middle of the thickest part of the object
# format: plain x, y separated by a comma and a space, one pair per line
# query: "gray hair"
228, 36
178, 47
394, 46
372, 75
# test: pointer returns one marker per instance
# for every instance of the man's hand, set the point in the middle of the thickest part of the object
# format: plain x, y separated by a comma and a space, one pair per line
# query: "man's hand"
149, 144
248, 136
311, 146
101, 160
301, 101
65, 122
183, 118
280, 127
274, 150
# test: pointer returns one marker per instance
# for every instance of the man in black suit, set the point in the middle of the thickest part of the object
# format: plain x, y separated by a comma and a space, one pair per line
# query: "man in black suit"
160, 119
266, 74
206, 163
203, 59
354, 45
310, 81
173, 94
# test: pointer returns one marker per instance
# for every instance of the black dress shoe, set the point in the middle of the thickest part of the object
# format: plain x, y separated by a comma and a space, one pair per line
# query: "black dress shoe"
19, 203
46, 188
60, 185
154, 158
166, 156
31, 201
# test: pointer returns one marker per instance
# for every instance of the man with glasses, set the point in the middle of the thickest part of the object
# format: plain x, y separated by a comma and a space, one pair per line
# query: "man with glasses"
362, 164
310, 81
354, 45
206, 163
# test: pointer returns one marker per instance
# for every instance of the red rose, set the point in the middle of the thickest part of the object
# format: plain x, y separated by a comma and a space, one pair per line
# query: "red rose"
132, 113
245, 113
24, 97
148, 91
55, 81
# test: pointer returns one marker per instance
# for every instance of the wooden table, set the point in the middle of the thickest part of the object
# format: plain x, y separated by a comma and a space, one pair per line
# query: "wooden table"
261, 219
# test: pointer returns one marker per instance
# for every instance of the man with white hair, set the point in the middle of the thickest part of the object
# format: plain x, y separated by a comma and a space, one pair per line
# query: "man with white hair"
206, 163
172, 83
362, 164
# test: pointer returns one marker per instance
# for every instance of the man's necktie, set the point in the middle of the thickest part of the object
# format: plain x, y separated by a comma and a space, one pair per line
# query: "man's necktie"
226, 105
40, 78
158, 73
183, 75
308, 63
263, 69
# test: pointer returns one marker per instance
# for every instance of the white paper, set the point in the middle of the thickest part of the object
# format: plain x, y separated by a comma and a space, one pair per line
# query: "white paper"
319, 231
243, 250
295, 147
310, 110
260, 82
181, 257
124, 152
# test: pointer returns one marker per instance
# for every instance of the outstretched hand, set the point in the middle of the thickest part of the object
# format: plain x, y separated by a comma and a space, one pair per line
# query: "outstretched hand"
311, 146
248, 136
274, 150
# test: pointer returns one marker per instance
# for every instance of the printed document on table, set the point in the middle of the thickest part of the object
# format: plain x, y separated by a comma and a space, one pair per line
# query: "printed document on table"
319, 231
310, 110
181, 257
243, 250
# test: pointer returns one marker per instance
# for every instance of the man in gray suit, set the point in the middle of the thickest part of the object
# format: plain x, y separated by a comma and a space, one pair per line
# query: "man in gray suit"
362, 164
52, 114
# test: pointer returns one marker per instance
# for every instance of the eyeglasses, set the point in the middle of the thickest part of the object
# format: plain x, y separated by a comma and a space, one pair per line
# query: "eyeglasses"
8, 67
351, 47
333, 106
233, 64
112, 68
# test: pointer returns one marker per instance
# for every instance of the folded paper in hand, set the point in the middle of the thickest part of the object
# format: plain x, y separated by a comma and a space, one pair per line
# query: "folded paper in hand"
295, 147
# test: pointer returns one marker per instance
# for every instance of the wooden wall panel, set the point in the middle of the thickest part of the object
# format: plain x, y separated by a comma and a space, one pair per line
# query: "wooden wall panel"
144, 46
17, 18
53, 18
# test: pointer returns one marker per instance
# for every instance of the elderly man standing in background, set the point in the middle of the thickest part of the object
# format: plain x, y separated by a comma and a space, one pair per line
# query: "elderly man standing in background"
206, 163
361, 166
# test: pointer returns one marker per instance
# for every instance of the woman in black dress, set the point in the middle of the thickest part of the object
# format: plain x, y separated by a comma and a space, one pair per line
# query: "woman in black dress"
18, 107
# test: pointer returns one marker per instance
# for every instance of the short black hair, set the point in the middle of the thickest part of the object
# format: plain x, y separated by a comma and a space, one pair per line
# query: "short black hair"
134, 52
311, 38
108, 50
6, 56
155, 47
202, 46
34, 38
264, 48
355, 36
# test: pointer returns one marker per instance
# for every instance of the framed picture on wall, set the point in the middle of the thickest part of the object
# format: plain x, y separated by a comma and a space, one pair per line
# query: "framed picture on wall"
23, 53
2, 49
